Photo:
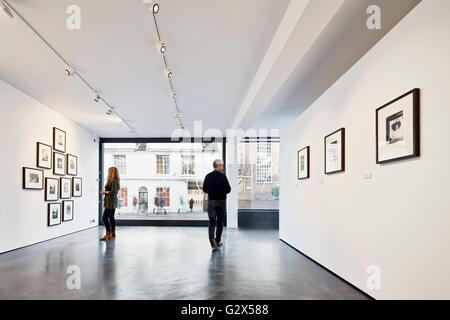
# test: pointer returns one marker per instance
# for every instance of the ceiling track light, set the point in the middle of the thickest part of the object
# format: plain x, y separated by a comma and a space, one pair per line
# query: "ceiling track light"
96, 96
110, 112
151, 4
155, 8
69, 71
161, 47
9, 9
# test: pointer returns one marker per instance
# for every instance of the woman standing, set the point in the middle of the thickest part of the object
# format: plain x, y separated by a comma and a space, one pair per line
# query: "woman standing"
111, 202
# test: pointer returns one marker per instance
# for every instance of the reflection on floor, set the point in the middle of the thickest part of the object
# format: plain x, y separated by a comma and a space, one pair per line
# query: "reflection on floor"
167, 263
201, 215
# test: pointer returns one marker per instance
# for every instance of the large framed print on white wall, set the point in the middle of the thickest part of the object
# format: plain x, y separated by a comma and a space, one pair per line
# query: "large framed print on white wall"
303, 163
398, 128
335, 152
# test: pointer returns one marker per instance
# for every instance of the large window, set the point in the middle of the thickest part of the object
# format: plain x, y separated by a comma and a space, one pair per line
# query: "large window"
187, 164
162, 164
258, 176
120, 162
170, 171
162, 197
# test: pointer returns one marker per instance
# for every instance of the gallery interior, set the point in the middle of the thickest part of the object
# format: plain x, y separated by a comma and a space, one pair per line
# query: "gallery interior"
322, 112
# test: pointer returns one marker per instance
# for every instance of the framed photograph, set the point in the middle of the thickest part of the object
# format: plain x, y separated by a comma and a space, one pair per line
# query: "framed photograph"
72, 165
303, 163
44, 156
51, 189
398, 128
54, 214
59, 164
77, 187
67, 208
33, 179
59, 140
64, 189
335, 152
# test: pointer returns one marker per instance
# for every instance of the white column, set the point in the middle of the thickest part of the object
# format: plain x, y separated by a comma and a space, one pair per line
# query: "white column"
232, 174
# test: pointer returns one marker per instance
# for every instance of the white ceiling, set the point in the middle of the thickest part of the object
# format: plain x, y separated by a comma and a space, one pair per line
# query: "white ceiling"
214, 50
235, 63
328, 39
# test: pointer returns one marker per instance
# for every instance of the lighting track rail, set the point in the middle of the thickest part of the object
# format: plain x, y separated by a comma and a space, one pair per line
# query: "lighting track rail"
154, 7
69, 69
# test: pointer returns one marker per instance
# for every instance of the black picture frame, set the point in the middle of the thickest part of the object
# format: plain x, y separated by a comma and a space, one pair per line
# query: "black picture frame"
55, 131
415, 125
63, 156
24, 181
307, 148
46, 197
76, 195
61, 183
63, 214
49, 220
38, 157
342, 169
68, 171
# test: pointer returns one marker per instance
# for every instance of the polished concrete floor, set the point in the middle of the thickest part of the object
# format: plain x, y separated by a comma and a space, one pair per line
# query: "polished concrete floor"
167, 263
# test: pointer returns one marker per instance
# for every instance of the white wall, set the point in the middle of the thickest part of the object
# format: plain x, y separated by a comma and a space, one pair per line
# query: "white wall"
23, 213
399, 219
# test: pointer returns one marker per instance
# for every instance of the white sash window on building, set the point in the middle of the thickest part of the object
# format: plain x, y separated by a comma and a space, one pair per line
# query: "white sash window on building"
162, 164
120, 162
187, 164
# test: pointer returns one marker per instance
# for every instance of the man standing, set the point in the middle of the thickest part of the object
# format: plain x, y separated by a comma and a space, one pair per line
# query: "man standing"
217, 187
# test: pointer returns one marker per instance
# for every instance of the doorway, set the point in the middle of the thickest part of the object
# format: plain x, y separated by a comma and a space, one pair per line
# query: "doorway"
143, 200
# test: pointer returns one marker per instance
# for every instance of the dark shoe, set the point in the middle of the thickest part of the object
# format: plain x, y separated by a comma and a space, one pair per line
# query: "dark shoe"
106, 237
219, 244
113, 234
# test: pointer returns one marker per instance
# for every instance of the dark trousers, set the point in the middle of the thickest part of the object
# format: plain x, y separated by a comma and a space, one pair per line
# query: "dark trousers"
216, 211
109, 220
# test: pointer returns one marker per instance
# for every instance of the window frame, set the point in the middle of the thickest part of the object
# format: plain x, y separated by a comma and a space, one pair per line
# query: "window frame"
164, 164
167, 191
121, 167
145, 222
183, 156
248, 175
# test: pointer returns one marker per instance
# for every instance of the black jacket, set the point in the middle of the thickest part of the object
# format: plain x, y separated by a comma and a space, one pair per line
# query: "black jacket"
216, 185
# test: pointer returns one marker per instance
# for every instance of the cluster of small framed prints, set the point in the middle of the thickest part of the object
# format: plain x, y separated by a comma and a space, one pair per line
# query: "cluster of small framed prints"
56, 188
397, 137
